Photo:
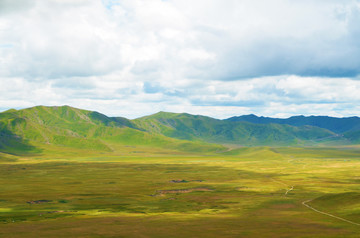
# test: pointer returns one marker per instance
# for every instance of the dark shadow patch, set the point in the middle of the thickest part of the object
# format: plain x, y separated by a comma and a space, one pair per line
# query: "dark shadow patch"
11, 143
38, 201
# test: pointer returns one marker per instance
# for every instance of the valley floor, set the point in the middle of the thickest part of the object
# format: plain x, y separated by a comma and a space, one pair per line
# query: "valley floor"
255, 192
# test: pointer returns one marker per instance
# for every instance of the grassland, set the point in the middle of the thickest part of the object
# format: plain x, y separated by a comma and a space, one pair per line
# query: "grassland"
139, 191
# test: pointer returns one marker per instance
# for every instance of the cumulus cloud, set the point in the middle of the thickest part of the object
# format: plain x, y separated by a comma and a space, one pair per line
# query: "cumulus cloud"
277, 57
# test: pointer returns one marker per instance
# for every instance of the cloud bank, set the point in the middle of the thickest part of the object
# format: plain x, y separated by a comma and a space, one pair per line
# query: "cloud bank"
132, 58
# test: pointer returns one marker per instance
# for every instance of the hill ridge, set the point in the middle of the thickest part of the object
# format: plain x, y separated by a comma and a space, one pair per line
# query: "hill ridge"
335, 124
76, 128
73, 127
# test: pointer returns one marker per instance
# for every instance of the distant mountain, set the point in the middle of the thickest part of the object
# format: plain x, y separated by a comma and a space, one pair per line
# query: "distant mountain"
337, 125
32, 129
202, 128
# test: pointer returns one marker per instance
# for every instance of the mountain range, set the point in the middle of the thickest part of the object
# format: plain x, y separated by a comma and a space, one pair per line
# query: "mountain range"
27, 129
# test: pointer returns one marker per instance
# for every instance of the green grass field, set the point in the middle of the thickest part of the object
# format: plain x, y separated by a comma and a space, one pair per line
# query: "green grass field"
147, 192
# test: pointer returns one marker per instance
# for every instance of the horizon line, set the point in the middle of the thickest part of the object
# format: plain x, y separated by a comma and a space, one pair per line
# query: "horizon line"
161, 111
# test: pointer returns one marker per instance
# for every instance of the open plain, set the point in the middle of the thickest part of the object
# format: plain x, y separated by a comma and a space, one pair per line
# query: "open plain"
147, 192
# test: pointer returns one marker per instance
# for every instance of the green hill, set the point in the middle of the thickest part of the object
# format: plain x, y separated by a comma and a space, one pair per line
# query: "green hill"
65, 126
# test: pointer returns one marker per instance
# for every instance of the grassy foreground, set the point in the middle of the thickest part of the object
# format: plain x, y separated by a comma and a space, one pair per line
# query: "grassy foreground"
247, 192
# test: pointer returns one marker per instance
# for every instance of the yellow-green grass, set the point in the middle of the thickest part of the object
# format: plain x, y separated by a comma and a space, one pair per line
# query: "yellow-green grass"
84, 193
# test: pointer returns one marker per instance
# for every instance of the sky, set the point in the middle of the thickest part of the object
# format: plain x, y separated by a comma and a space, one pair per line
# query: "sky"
219, 58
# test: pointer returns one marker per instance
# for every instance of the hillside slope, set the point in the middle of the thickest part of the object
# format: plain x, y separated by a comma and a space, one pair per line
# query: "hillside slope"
22, 130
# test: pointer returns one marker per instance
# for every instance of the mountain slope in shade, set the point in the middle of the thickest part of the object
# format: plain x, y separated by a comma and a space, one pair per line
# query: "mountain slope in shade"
337, 125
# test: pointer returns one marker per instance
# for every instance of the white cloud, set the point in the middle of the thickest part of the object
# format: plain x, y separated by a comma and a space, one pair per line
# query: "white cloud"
270, 96
136, 57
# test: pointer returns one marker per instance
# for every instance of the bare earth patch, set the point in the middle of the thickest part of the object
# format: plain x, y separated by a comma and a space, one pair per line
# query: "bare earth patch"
38, 201
177, 191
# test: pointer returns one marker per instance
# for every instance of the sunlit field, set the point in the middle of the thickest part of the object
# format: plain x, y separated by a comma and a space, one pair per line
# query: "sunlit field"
247, 192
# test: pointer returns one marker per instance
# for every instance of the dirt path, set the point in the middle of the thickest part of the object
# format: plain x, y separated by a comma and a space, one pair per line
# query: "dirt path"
327, 214
287, 189
307, 201
314, 209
